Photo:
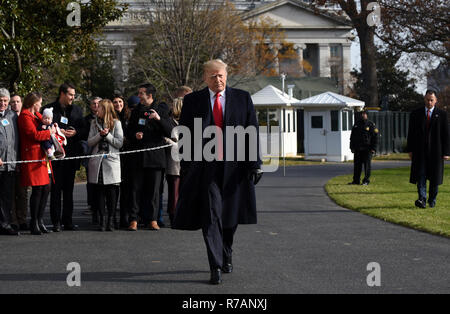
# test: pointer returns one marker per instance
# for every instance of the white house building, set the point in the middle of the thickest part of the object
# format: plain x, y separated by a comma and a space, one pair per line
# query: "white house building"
323, 39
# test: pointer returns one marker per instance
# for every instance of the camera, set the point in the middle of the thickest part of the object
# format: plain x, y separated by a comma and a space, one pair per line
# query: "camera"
103, 146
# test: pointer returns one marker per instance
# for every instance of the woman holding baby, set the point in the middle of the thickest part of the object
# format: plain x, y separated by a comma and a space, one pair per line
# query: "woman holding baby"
35, 174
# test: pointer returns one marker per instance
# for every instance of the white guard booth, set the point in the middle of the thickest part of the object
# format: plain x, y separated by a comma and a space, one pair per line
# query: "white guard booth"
328, 121
275, 108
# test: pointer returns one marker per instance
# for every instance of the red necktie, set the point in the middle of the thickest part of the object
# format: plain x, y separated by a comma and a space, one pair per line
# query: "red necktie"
218, 120
428, 119
218, 112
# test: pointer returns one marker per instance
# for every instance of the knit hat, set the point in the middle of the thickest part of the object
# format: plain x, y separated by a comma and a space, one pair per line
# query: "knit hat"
48, 113
133, 101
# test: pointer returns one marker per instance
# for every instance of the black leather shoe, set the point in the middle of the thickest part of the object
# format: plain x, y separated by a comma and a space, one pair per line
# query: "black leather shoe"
227, 266
420, 203
71, 227
432, 204
9, 231
43, 228
56, 228
23, 227
216, 276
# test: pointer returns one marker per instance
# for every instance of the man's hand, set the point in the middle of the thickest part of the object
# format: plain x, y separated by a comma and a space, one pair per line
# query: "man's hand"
446, 157
139, 136
255, 175
410, 155
70, 133
1, 162
154, 115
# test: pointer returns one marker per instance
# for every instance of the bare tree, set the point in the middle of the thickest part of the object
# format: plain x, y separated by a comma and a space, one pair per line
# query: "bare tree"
412, 26
181, 35
358, 12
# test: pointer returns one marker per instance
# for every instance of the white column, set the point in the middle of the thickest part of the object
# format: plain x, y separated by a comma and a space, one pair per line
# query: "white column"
276, 62
346, 67
299, 50
324, 60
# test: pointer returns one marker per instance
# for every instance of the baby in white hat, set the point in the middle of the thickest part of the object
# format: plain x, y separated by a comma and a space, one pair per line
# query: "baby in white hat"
47, 146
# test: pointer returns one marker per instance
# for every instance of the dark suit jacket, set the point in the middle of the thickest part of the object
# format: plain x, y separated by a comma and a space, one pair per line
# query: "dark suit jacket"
154, 133
428, 146
238, 192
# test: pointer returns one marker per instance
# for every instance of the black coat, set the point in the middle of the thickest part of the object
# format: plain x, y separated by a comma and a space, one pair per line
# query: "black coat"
364, 136
238, 192
154, 133
74, 114
431, 146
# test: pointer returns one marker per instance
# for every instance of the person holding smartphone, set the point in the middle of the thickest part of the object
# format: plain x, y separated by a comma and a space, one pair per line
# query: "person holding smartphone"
71, 122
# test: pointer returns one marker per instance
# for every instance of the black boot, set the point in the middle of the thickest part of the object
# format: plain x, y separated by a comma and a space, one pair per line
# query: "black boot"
95, 220
34, 226
102, 223
110, 223
41, 224
115, 223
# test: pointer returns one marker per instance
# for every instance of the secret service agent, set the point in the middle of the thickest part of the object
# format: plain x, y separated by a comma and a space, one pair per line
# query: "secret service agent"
363, 143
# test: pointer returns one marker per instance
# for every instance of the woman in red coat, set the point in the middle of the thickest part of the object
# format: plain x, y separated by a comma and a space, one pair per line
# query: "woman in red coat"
35, 174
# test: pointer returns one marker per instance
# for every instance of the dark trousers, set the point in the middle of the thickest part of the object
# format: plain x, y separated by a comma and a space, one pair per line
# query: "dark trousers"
173, 189
7, 180
422, 185
106, 195
64, 174
125, 189
362, 158
20, 203
145, 194
219, 241
161, 193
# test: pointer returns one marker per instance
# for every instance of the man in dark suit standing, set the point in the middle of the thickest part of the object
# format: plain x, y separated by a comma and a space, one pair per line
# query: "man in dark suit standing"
428, 147
149, 125
217, 195
71, 122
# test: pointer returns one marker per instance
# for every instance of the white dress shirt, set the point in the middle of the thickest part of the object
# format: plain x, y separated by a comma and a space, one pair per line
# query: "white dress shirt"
431, 112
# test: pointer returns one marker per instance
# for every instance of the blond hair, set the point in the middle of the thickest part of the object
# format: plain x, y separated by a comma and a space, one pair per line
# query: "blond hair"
110, 113
176, 107
214, 65
182, 91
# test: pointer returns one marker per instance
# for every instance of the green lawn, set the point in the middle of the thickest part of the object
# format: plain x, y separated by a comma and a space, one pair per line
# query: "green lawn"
391, 197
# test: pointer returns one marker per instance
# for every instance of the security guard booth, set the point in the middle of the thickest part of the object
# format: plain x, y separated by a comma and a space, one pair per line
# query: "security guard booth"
275, 108
329, 118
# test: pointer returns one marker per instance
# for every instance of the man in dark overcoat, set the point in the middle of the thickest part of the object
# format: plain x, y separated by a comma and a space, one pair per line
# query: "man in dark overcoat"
217, 195
428, 146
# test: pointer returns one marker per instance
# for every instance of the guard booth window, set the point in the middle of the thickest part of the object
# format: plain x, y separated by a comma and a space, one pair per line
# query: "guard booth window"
344, 120
347, 120
334, 120
316, 122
